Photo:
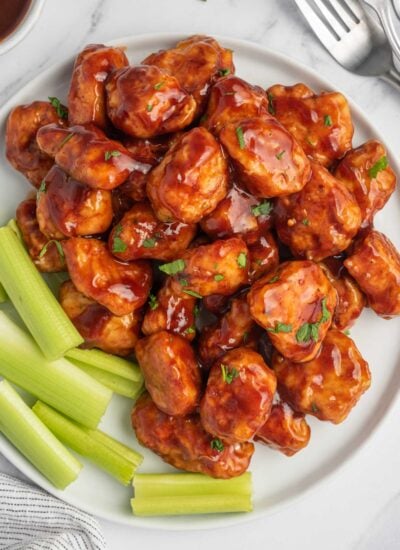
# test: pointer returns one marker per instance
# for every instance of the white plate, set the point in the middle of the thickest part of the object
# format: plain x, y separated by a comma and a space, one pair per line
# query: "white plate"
277, 479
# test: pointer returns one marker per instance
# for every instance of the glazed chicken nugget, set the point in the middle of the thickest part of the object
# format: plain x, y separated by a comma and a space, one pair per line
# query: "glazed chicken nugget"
268, 159
171, 373
121, 288
263, 256
139, 234
183, 442
86, 97
330, 385
294, 305
319, 221
321, 124
375, 265
217, 268
22, 151
238, 396
365, 171
191, 179
145, 101
97, 325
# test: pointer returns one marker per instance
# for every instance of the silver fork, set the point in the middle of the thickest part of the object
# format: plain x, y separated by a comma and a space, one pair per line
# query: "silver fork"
351, 37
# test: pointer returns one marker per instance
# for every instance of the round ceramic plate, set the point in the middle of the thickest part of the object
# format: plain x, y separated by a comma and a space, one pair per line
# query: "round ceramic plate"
277, 480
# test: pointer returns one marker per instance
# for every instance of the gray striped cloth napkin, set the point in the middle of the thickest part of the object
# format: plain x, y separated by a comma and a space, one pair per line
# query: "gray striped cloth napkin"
31, 519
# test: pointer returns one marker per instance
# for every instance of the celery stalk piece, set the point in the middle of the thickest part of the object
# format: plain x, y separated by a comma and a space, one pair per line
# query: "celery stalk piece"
39, 309
117, 384
3, 294
12, 224
134, 457
75, 436
195, 504
34, 440
58, 383
163, 485
107, 362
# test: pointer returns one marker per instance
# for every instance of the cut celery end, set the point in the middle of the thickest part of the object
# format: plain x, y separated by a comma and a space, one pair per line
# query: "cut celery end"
77, 438
129, 454
3, 295
12, 224
58, 383
185, 505
107, 362
154, 485
34, 440
38, 308
118, 385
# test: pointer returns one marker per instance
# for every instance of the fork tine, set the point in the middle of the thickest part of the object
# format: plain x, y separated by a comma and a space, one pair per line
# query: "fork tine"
331, 20
354, 7
341, 13
319, 27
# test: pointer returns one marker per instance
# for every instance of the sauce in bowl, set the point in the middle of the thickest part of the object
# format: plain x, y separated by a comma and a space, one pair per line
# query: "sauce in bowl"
12, 14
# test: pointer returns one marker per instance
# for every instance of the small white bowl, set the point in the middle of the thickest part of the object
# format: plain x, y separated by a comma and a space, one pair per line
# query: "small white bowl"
25, 26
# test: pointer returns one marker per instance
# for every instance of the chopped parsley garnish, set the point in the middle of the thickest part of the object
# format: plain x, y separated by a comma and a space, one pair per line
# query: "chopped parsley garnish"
172, 268
309, 331
217, 445
42, 189
242, 260
66, 139
159, 85
183, 282
110, 154
118, 245
196, 311
228, 375
380, 165
274, 279
279, 156
58, 246
149, 243
149, 107
224, 72
190, 330
347, 332
193, 293
305, 221
240, 137
153, 303
61, 110
218, 277
327, 120
280, 327
262, 209
314, 407
271, 106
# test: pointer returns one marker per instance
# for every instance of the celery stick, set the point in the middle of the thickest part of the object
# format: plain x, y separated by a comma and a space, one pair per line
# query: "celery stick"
39, 309
134, 457
117, 384
34, 440
107, 362
154, 485
185, 505
3, 294
75, 437
58, 383
12, 224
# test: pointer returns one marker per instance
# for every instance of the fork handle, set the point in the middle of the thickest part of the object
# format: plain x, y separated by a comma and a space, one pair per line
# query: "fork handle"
392, 77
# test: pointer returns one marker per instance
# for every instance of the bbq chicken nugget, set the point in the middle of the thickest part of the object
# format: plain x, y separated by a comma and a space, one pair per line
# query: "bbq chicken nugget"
329, 385
375, 265
183, 442
294, 305
263, 256
319, 221
321, 124
191, 179
268, 159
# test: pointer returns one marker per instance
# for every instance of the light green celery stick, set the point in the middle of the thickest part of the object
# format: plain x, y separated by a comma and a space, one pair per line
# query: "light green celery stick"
34, 440
107, 362
185, 505
72, 435
3, 294
38, 308
58, 383
116, 383
134, 457
12, 224
154, 485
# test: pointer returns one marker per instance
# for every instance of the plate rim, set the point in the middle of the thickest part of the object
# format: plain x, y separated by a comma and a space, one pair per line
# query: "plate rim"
214, 521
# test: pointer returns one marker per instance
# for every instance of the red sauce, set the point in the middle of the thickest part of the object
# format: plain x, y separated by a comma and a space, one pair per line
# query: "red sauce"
12, 14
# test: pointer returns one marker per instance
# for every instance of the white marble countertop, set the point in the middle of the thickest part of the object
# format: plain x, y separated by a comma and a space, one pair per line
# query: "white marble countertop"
362, 502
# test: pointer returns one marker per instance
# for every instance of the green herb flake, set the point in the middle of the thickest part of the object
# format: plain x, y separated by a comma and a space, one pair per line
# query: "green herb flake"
159, 85
42, 189
218, 277
310, 331
61, 110
224, 72
58, 246
66, 139
153, 302
240, 137
380, 165
183, 282
245, 337
274, 279
305, 221
190, 330
314, 407
280, 327
118, 230
242, 260
327, 120
347, 332
279, 156
172, 268
193, 293
196, 311
149, 107
118, 245
149, 243
217, 445
262, 209
110, 154
271, 105
228, 375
